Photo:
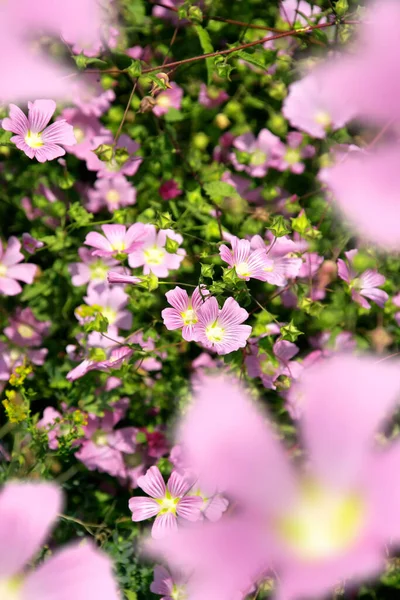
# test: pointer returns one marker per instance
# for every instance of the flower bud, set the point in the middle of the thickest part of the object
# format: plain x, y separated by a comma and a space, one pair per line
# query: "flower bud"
147, 104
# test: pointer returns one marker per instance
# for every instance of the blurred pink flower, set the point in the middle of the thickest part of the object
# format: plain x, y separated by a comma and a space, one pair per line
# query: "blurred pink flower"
10, 271
183, 314
256, 152
25, 330
86, 128
92, 269
118, 239
123, 278
331, 519
171, 98
27, 513
169, 190
164, 584
112, 168
364, 285
30, 244
113, 193
111, 303
280, 262
153, 255
222, 330
211, 97
33, 135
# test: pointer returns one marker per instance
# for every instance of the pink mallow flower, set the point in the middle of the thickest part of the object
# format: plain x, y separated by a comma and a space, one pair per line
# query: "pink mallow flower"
332, 517
10, 271
86, 128
28, 511
112, 168
281, 262
113, 193
269, 367
25, 330
290, 157
314, 107
183, 314
248, 263
117, 356
211, 97
111, 303
171, 98
254, 154
32, 134
153, 255
298, 10
168, 586
92, 269
30, 244
169, 190
104, 447
362, 286
118, 239
221, 330
166, 501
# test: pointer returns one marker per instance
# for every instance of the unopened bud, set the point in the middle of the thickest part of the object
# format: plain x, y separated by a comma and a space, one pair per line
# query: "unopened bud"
222, 121
147, 104
104, 152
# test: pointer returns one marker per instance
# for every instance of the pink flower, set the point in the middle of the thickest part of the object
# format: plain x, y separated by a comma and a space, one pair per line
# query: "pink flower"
27, 513
116, 358
290, 157
105, 447
92, 269
269, 367
280, 263
256, 153
25, 330
114, 193
332, 518
221, 330
364, 185
211, 97
32, 134
293, 10
10, 271
117, 240
110, 302
362, 286
183, 315
171, 588
313, 106
153, 256
167, 502
30, 244
86, 128
169, 190
247, 263
167, 99
93, 100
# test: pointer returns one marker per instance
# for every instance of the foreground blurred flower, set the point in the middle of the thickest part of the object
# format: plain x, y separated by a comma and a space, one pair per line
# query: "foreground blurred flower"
80, 570
183, 315
221, 329
314, 526
167, 502
164, 584
33, 136
117, 239
10, 271
362, 286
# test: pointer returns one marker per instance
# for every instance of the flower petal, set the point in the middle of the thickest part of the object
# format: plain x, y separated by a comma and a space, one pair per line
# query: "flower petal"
153, 483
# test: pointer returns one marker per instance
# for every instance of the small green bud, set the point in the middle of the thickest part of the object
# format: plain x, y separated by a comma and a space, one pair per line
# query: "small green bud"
165, 220
200, 141
171, 246
278, 90
341, 7
150, 282
104, 152
290, 332
121, 156
135, 69
195, 14
207, 270
279, 226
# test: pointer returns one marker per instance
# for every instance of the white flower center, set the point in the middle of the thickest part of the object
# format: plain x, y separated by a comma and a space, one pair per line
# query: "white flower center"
10, 589
292, 156
154, 256
178, 593
98, 270
26, 331
323, 524
3, 270
118, 245
109, 313
168, 504
189, 317
34, 140
113, 197
323, 118
164, 101
258, 158
79, 134
243, 269
100, 438
215, 333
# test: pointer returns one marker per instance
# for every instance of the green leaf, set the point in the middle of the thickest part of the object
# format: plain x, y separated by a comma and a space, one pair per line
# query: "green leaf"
207, 270
279, 226
174, 115
99, 323
250, 59
207, 47
79, 214
218, 190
